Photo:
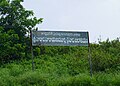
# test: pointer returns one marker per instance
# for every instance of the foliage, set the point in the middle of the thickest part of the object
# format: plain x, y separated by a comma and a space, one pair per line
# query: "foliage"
9, 46
105, 56
41, 78
15, 23
54, 65
32, 78
65, 68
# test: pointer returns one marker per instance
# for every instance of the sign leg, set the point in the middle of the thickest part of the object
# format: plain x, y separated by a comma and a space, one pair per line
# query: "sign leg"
31, 48
89, 56
90, 61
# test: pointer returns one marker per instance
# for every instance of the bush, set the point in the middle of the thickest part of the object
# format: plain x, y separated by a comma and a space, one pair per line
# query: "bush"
105, 56
80, 80
15, 70
5, 78
32, 79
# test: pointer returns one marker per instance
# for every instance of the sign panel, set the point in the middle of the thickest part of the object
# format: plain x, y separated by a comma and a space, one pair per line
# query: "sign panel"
60, 38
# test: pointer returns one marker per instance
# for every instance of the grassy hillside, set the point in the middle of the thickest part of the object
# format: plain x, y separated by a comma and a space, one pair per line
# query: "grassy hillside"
65, 66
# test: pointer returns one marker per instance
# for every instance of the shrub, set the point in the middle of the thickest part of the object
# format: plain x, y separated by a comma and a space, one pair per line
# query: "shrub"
32, 79
80, 80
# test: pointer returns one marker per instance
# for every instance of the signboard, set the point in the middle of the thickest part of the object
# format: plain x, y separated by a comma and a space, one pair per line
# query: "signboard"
60, 38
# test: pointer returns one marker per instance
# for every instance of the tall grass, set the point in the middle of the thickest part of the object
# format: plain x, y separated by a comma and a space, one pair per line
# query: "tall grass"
66, 66
50, 73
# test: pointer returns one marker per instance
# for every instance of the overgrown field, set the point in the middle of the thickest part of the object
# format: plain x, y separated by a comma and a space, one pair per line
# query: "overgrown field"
65, 66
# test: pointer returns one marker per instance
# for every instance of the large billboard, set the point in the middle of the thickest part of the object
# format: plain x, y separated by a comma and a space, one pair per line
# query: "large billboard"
60, 38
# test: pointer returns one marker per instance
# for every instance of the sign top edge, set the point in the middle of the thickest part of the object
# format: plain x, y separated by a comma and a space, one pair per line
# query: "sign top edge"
58, 31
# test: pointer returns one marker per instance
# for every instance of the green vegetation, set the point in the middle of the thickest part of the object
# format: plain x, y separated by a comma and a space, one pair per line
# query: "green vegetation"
54, 66
15, 25
65, 66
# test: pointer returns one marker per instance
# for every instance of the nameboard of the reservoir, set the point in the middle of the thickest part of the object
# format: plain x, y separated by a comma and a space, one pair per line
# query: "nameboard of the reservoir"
60, 38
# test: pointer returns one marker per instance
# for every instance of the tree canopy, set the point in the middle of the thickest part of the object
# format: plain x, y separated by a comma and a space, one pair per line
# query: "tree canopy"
15, 23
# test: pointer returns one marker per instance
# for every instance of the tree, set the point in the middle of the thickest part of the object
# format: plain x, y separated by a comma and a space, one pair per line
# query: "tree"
16, 20
14, 16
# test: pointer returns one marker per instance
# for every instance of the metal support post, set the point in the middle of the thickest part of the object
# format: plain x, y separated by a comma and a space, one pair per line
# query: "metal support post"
31, 48
89, 57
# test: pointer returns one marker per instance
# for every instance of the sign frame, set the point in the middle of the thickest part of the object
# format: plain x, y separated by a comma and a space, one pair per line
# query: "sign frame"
88, 44
60, 38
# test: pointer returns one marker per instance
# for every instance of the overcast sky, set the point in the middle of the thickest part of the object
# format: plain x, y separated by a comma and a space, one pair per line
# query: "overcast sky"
99, 17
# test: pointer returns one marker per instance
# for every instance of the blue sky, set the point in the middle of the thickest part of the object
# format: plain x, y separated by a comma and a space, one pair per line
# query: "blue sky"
99, 17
